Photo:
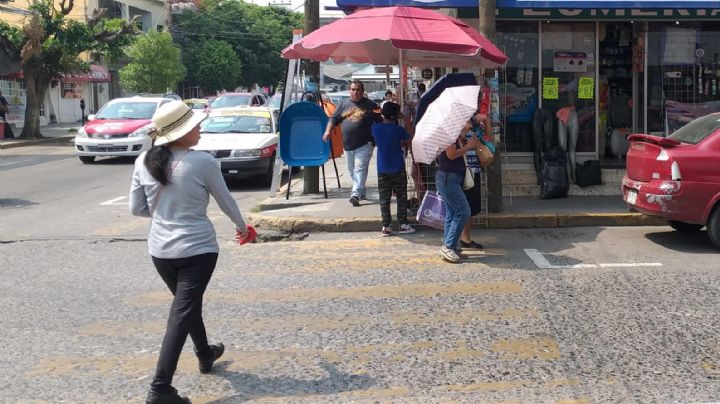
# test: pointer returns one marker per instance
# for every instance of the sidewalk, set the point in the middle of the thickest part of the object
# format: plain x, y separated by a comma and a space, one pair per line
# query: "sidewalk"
53, 133
313, 213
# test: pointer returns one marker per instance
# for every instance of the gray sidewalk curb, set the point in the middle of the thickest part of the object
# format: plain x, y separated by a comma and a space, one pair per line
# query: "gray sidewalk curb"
11, 144
298, 224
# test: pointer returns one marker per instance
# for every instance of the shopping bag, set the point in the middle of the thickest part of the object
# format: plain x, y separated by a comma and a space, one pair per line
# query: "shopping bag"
432, 211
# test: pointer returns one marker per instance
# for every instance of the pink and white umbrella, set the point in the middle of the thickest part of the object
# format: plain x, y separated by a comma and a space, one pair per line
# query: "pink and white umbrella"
397, 35
442, 122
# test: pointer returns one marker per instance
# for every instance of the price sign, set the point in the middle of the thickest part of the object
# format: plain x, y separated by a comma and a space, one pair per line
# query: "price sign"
550, 88
586, 88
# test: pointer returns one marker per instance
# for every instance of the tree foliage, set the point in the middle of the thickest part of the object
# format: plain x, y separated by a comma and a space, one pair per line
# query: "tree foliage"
155, 64
50, 45
257, 34
213, 65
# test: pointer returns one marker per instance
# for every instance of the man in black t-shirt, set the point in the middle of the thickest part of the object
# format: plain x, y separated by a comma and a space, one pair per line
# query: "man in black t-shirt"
356, 115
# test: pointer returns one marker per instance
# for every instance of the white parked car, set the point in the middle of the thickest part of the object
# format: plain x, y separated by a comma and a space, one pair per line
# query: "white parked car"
243, 140
120, 128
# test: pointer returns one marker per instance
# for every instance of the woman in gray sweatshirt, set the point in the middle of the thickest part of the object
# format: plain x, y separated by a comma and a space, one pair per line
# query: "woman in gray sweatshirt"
172, 184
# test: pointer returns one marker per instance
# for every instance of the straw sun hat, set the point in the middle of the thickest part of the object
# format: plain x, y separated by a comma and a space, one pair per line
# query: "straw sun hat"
173, 121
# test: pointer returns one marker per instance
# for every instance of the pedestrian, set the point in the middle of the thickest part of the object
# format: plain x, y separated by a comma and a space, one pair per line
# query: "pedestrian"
356, 116
478, 126
388, 97
449, 182
390, 139
4, 109
171, 184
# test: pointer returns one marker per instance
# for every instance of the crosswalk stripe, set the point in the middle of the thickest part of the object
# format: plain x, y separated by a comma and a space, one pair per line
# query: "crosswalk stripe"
359, 292
357, 358
318, 323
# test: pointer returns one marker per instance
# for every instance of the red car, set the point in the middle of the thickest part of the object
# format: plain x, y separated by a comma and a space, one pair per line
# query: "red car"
678, 177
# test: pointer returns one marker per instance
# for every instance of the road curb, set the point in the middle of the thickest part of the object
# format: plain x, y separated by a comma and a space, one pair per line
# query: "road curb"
11, 144
298, 224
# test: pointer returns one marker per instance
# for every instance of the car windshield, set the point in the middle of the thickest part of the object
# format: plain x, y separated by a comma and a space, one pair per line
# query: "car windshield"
127, 110
697, 130
275, 102
225, 101
236, 124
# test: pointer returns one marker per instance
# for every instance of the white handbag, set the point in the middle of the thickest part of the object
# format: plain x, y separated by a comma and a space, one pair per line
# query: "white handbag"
469, 181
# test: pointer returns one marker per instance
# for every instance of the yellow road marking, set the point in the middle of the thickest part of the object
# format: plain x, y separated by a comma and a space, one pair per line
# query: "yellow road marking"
489, 386
317, 323
545, 348
360, 292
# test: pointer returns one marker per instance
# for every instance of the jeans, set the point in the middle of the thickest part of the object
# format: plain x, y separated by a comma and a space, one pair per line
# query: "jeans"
187, 279
457, 209
358, 162
386, 184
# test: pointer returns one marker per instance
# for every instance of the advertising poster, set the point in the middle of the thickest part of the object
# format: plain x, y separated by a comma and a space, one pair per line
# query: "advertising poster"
551, 87
570, 62
16, 113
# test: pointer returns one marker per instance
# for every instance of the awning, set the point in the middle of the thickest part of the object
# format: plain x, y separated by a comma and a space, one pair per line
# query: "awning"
97, 74
564, 4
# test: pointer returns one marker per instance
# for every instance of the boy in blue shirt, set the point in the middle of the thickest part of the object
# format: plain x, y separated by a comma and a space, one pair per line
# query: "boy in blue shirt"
390, 139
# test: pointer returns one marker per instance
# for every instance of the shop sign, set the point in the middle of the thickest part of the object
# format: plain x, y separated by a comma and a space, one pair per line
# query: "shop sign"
570, 62
608, 14
550, 88
586, 88
427, 74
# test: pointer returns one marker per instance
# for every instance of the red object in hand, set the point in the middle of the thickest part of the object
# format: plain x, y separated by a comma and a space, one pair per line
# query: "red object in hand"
250, 236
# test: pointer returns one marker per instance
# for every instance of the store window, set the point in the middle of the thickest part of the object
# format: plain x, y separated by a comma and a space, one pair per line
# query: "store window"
568, 82
71, 89
683, 73
520, 44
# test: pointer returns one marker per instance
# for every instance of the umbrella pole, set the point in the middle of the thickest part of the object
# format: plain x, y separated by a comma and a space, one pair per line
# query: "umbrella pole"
332, 153
401, 91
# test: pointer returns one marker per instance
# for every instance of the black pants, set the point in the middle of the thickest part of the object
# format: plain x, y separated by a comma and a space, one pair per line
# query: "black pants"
187, 279
386, 184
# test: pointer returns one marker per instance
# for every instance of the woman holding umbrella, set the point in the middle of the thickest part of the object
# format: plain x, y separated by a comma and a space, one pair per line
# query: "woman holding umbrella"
449, 181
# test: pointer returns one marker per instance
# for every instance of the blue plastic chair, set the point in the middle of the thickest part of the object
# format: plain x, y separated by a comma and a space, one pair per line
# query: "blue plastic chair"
302, 126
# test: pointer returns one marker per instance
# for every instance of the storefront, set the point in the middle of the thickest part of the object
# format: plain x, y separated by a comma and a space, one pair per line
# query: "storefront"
62, 100
621, 66
621, 70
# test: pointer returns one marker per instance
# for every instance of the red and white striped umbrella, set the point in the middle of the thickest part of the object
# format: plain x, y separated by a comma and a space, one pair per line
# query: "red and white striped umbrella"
442, 122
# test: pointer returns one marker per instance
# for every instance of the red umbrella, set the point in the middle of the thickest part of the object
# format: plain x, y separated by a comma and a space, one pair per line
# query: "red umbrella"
396, 35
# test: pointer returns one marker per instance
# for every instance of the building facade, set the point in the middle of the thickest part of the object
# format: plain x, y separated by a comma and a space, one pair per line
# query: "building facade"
622, 66
62, 100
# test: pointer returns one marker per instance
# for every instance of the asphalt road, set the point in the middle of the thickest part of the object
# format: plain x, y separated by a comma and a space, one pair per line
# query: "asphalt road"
579, 315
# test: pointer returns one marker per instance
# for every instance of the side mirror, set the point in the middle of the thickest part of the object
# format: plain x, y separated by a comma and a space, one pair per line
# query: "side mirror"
91, 117
265, 129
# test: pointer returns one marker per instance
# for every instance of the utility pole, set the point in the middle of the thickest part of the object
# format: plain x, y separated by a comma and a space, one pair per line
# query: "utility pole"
311, 175
486, 26
168, 16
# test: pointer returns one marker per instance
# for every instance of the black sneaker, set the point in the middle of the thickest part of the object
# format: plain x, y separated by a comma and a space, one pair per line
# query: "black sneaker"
471, 245
355, 201
205, 365
172, 397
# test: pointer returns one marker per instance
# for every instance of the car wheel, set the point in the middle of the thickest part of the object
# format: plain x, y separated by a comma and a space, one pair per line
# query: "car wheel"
713, 226
87, 159
683, 227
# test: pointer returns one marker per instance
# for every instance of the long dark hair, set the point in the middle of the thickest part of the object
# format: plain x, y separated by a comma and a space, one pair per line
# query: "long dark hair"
157, 161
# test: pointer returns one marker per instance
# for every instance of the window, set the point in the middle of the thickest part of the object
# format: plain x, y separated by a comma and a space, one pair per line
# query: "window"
520, 44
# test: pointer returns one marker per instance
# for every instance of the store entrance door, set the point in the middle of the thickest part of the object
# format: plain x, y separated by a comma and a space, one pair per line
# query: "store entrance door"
619, 87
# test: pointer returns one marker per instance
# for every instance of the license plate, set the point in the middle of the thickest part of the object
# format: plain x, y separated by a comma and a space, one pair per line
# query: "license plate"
632, 196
